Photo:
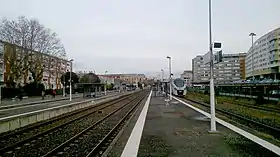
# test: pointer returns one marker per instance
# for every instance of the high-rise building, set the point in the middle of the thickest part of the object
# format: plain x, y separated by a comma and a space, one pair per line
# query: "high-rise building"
187, 76
198, 69
231, 68
263, 57
16, 62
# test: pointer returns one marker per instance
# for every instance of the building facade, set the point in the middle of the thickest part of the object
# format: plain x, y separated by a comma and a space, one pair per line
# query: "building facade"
128, 78
16, 63
187, 76
263, 57
231, 68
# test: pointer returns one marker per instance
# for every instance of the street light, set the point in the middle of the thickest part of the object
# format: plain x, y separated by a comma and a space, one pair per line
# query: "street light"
252, 36
71, 60
162, 84
170, 75
64, 84
0, 94
212, 91
105, 83
162, 73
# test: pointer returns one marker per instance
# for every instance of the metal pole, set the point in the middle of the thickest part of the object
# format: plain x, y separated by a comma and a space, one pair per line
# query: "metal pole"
212, 91
253, 57
162, 72
170, 81
105, 83
64, 85
252, 34
70, 99
0, 94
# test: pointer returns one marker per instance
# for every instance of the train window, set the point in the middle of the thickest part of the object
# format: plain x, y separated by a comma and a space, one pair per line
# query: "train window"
179, 83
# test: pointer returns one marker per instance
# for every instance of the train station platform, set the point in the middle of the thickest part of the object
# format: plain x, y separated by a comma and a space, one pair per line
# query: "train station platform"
172, 129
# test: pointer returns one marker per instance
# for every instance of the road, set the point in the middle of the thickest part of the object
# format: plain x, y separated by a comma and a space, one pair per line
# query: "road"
39, 106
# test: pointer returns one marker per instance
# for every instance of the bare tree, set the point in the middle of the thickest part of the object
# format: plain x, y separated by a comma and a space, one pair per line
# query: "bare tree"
30, 36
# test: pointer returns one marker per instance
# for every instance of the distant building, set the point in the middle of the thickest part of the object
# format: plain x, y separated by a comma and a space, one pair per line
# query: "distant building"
198, 69
118, 79
187, 76
52, 67
80, 74
263, 59
231, 68
128, 78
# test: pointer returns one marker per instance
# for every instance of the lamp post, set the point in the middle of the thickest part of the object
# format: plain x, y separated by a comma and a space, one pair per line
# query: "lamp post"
252, 36
64, 84
0, 93
162, 77
162, 73
169, 59
212, 91
70, 97
105, 83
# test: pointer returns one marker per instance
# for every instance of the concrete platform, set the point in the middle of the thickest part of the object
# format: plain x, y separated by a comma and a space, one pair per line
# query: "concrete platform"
176, 130
20, 120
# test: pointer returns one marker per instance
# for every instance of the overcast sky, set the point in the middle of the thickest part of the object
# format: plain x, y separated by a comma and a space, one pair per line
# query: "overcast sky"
135, 36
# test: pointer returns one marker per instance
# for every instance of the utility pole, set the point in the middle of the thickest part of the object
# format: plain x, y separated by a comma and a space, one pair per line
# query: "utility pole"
170, 78
252, 36
162, 73
105, 78
212, 91
64, 84
70, 95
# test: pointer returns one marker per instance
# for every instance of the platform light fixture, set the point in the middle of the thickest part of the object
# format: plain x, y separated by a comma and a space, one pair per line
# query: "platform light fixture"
70, 97
170, 77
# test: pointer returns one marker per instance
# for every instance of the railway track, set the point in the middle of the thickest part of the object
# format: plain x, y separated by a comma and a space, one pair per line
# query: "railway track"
41, 138
28, 131
263, 108
94, 140
259, 107
271, 130
269, 109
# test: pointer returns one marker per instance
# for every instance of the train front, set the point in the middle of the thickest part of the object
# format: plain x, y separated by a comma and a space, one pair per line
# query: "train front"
179, 87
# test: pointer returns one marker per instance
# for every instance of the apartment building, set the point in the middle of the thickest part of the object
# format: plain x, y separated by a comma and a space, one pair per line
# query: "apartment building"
187, 76
197, 69
231, 68
49, 69
53, 69
263, 57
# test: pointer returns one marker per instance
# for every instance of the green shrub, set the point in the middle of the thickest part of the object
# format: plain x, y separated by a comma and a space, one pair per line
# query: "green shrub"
59, 91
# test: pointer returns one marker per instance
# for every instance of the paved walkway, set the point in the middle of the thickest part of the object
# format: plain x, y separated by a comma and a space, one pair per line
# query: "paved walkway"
174, 130
7, 102
20, 109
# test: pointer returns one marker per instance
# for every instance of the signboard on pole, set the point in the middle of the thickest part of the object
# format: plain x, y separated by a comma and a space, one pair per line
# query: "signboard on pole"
217, 45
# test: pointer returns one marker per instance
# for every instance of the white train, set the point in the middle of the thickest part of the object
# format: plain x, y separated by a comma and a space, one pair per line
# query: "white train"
178, 87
